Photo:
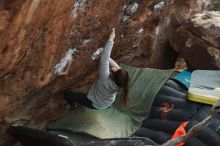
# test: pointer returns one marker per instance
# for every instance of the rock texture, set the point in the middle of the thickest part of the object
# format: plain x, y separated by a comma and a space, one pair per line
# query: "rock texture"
214, 5
198, 41
39, 39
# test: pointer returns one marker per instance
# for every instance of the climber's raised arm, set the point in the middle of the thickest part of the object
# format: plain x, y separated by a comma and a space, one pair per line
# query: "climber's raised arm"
113, 63
105, 57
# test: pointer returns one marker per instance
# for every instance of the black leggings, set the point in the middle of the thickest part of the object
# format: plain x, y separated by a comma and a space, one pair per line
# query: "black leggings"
77, 97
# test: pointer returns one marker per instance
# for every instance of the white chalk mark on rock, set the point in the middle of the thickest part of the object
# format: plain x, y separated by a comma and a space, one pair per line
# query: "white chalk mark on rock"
132, 8
78, 6
128, 11
62, 67
84, 42
125, 18
96, 54
159, 6
141, 30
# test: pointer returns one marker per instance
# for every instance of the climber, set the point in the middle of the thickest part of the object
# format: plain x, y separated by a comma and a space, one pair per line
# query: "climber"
103, 91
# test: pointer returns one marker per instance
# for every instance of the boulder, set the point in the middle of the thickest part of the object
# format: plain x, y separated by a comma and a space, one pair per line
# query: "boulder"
40, 38
198, 40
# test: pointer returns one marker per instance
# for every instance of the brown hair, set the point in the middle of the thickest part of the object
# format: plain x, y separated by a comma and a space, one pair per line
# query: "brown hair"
121, 77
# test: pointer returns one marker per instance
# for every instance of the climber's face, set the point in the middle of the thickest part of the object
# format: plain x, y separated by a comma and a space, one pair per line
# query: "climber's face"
115, 69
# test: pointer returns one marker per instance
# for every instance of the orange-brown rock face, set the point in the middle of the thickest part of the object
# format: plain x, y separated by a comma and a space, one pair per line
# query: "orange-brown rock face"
39, 38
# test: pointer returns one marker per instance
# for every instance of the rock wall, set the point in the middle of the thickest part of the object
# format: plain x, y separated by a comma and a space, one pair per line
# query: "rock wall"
38, 39
198, 40
214, 5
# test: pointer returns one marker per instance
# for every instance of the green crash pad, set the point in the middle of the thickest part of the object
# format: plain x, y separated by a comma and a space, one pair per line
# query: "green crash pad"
119, 120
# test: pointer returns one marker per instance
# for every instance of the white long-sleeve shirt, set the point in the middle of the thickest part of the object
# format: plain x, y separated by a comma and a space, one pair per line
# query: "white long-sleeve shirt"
103, 91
